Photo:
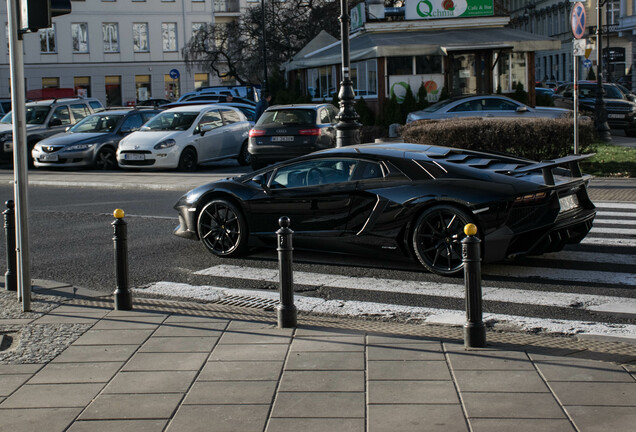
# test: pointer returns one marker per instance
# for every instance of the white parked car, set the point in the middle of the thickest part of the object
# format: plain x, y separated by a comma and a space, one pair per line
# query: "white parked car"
187, 136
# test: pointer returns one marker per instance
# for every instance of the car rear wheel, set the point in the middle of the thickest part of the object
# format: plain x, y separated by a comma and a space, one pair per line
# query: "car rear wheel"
437, 239
106, 159
188, 160
222, 228
244, 157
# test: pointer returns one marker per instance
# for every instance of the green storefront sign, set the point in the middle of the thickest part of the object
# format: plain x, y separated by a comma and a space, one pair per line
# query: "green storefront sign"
436, 9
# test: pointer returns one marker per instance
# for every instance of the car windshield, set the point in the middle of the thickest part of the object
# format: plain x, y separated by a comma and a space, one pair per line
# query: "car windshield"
171, 121
289, 117
34, 115
439, 105
97, 123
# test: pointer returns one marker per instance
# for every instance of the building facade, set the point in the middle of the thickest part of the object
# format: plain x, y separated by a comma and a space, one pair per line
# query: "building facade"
553, 18
119, 51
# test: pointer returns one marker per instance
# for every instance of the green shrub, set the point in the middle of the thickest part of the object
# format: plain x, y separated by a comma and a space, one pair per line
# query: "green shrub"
520, 95
366, 115
368, 134
408, 105
544, 100
422, 97
392, 112
536, 139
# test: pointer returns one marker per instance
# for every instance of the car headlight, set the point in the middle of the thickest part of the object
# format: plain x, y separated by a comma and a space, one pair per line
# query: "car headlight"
165, 144
78, 147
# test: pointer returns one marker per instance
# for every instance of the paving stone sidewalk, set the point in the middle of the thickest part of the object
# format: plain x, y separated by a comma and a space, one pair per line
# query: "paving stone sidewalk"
170, 366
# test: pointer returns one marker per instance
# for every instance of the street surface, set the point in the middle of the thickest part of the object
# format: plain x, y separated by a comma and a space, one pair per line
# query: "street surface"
588, 288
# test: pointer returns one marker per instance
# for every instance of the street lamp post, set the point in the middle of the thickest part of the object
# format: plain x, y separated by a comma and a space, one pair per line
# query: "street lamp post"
264, 85
348, 128
600, 122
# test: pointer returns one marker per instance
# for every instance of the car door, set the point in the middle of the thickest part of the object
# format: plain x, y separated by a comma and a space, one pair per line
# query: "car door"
207, 135
235, 129
499, 107
327, 124
314, 194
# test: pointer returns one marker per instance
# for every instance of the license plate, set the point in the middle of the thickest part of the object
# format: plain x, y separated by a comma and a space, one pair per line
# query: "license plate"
282, 138
617, 116
568, 203
49, 158
134, 156
8, 146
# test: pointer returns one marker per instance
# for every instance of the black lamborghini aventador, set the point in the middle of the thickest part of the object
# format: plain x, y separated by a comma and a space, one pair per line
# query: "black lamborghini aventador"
396, 198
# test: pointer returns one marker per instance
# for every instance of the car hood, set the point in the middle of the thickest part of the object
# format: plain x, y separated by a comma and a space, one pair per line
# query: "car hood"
6, 128
66, 138
148, 139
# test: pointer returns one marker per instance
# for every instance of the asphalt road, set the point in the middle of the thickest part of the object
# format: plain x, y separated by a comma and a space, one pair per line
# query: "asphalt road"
71, 241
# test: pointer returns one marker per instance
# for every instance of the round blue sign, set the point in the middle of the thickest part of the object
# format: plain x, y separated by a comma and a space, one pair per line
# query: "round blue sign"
587, 63
174, 73
578, 20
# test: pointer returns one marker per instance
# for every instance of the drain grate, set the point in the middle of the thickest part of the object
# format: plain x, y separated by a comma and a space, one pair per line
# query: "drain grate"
246, 301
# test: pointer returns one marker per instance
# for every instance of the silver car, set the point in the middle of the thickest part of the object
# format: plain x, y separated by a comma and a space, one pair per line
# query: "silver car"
488, 106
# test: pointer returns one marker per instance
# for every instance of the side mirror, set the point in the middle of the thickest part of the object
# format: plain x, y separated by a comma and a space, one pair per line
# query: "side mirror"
67, 129
55, 122
261, 180
522, 109
205, 128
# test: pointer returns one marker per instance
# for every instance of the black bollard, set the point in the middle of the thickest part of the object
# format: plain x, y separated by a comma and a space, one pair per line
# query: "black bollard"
286, 309
474, 329
10, 281
123, 298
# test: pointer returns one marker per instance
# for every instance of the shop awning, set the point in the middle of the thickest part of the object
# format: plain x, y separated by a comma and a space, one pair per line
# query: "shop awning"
368, 45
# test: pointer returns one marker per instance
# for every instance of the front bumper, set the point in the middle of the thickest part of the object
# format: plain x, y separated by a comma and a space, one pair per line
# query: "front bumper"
63, 158
166, 158
187, 227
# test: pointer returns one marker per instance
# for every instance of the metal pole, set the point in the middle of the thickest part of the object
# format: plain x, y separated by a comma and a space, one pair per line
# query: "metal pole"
474, 329
602, 128
348, 128
19, 157
575, 62
264, 85
286, 310
10, 282
123, 298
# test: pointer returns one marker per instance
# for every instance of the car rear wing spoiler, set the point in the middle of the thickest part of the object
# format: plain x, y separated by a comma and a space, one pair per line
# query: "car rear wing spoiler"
572, 162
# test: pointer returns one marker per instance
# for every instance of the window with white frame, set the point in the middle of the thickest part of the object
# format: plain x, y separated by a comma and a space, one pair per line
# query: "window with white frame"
169, 36
79, 34
110, 33
47, 40
612, 11
140, 37
196, 27
321, 82
364, 76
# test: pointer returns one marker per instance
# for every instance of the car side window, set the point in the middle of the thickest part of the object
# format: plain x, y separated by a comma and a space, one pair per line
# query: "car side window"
471, 105
500, 105
79, 111
230, 116
211, 118
133, 121
97, 107
147, 116
62, 113
314, 173
324, 116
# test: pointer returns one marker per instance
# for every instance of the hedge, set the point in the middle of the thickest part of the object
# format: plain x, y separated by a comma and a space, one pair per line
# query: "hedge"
537, 139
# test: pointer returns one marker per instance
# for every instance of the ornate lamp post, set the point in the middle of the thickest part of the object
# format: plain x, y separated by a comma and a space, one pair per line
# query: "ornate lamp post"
600, 122
348, 128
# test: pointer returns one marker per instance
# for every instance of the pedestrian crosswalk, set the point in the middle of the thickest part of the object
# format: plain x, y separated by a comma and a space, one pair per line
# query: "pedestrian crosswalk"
596, 280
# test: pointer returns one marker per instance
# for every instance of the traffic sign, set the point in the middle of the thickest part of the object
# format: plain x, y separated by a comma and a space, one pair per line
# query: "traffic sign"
578, 20
578, 47
587, 63
174, 73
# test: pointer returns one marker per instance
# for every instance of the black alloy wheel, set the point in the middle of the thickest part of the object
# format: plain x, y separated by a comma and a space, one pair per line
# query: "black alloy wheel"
106, 159
244, 156
222, 228
188, 160
437, 239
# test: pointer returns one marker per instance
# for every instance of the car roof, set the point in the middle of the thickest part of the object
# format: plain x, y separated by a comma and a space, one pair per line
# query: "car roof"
299, 106
199, 107
48, 102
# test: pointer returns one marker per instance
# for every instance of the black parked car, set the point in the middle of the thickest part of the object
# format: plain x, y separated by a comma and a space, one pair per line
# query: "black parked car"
396, 199
621, 109
287, 131
92, 142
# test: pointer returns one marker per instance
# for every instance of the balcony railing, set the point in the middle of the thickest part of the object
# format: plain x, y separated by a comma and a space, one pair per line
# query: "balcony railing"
226, 6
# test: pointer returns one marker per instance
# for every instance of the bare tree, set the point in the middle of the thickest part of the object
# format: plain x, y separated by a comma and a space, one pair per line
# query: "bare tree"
236, 50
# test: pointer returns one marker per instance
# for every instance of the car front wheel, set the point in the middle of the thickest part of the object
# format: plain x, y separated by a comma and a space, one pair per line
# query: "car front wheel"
106, 159
188, 160
222, 228
437, 239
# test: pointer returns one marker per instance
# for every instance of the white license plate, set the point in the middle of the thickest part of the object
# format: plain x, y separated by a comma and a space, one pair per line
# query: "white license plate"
617, 116
134, 156
282, 138
49, 158
568, 203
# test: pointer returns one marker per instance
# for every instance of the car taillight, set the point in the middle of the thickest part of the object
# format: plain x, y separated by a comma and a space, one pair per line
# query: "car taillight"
311, 132
257, 132
530, 198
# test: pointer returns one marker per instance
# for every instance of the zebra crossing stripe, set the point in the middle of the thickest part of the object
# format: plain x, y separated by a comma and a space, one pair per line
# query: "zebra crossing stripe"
423, 314
615, 205
569, 255
618, 231
608, 241
433, 289
614, 221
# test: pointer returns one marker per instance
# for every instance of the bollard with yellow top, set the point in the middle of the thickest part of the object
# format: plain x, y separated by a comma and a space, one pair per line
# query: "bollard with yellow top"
474, 329
123, 297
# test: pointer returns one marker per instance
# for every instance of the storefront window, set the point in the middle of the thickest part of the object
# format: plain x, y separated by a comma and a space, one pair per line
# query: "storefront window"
402, 65
464, 77
321, 82
171, 87
364, 77
142, 87
82, 86
428, 64
518, 70
113, 90
50, 82
201, 80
